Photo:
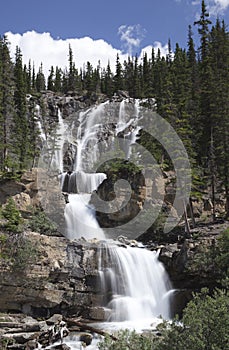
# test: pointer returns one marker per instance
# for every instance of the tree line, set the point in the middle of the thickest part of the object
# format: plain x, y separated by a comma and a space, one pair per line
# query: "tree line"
191, 88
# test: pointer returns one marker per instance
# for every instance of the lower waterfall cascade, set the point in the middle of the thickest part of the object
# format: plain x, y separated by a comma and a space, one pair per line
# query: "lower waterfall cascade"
134, 283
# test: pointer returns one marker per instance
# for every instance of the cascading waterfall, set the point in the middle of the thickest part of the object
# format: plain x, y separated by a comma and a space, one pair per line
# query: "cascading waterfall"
134, 282
57, 160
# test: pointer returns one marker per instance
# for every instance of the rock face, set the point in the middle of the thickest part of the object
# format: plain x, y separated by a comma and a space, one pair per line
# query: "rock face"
116, 200
63, 280
187, 264
146, 194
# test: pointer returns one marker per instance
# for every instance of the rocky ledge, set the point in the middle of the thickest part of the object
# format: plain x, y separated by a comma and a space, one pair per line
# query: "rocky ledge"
63, 279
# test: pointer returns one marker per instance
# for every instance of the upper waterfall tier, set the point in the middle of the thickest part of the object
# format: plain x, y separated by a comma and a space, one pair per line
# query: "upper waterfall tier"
80, 182
84, 139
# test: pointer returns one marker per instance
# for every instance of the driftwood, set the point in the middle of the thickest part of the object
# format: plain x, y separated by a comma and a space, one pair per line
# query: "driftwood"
83, 326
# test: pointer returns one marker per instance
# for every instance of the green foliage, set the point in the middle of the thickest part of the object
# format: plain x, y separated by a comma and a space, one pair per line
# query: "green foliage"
118, 166
127, 339
5, 342
3, 251
13, 217
213, 259
17, 252
24, 253
41, 223
222, 256
204, 325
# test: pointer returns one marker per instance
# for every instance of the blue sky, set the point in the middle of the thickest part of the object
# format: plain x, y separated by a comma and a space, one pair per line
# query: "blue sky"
123, 26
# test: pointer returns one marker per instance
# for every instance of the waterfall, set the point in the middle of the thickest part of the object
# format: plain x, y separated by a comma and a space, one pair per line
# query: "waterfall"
80, 218
135, 284
57, 161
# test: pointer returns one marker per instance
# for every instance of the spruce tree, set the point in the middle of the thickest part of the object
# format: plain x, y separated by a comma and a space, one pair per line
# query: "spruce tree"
7, 107
40, 80
21, 127
118, 78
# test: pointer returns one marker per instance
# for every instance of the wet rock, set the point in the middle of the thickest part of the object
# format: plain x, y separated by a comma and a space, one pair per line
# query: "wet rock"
86, 338
31, 345
54, 319
99, 313
60, 347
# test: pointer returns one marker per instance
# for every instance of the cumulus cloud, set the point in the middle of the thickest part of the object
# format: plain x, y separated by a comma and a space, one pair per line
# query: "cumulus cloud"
42, 48
157, 45
215, 7
218, 6
131, 36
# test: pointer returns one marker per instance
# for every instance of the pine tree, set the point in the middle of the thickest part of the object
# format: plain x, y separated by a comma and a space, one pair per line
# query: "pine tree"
128, 76
118, 78
7, 107
219, 107
40, 80
58, 80
204, 120
71, 71
107, 81
51, 82
146, 76
21, 128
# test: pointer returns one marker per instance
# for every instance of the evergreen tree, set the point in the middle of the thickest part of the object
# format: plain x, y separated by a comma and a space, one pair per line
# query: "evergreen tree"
40, 80
71, 71
107, 81
118, 78
7, 108
57, 80
21, 128
128, 76
51, 82
219, 107
204, 119
146, 76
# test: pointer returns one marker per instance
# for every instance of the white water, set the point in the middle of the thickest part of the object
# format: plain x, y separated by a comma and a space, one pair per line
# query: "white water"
80, 218
135, 284
57, 160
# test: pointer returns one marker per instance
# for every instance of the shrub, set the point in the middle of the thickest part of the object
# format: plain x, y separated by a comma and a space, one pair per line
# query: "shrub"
41, 223
127, 339
13, 216
17, 251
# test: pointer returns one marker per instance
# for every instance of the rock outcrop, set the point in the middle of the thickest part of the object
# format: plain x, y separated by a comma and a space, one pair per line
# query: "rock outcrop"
63, 279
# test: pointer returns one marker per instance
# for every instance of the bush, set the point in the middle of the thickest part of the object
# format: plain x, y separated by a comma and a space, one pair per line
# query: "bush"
204, 325
17, 251
13, 217
127, 339
42, 224
213, 259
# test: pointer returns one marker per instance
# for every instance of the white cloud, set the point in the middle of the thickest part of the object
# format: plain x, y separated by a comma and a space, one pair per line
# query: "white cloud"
218, 6
157, 45
215, 7
131, 36
41, 47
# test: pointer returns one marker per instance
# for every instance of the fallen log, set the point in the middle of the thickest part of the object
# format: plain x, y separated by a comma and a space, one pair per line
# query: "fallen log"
86, 327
